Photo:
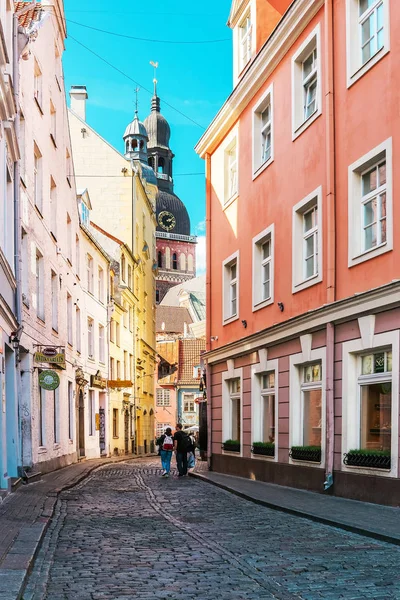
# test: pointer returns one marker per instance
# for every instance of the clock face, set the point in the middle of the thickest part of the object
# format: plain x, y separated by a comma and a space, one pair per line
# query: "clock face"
166, 220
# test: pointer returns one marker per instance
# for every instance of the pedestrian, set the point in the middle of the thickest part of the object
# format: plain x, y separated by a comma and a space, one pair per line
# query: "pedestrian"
191, 453
181, 446
166, 445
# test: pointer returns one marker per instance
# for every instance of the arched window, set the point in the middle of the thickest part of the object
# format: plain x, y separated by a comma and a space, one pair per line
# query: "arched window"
151, 162
160, 258
190, 263
141, 144
183, 262
157, 295
123, 263
134, 144
167, 258
161, 165
174, 261
127, 149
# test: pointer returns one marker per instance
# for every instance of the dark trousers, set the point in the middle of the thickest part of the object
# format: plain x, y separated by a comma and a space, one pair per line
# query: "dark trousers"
181, 462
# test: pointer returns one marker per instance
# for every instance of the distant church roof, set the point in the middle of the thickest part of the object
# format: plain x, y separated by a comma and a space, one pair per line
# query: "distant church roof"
136, 128
169, 202
157, 126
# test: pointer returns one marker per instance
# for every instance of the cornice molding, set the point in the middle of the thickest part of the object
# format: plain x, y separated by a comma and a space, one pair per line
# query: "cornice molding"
373, 301
289, 28
238, 8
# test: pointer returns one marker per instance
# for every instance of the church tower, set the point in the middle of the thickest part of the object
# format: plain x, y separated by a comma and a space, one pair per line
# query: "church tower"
175, 247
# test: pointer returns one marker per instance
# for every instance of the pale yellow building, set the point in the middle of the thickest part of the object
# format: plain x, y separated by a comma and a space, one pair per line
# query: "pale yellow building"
123, 192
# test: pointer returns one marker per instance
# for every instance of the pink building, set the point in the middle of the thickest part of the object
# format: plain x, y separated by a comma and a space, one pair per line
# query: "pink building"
303, 292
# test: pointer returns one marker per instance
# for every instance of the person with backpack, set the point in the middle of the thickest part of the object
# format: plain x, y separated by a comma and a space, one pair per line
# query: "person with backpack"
182, 445
166, 446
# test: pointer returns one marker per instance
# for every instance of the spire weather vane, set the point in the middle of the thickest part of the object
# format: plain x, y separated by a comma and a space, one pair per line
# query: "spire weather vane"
155, 65
137, 90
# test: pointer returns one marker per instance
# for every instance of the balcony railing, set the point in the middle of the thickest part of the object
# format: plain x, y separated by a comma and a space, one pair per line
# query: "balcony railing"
176, 236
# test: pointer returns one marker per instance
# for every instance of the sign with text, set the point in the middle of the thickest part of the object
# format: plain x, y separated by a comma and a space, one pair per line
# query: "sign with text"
50, 355
98, 381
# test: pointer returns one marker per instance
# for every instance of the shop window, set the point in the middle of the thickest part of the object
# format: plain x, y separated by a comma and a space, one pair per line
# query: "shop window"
235, 408
268, 407
311, 391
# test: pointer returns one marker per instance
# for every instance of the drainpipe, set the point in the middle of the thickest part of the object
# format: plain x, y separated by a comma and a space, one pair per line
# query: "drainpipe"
208, 303
330, 152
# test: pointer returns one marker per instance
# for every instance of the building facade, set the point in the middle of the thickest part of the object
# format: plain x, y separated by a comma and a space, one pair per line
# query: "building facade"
175, 247
303, 310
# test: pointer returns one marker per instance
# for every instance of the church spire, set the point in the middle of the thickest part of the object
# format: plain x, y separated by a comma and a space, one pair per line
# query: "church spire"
155, 101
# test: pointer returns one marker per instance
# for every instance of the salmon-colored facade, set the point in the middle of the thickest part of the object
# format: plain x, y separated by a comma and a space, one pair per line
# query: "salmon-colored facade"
303, 227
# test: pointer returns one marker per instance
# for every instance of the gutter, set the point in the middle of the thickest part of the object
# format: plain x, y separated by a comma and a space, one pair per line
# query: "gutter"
208, 305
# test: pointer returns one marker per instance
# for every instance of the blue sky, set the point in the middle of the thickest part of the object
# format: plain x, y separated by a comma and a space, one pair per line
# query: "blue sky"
194, 78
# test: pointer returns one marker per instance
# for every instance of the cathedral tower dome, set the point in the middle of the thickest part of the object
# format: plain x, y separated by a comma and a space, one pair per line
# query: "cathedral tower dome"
136, 139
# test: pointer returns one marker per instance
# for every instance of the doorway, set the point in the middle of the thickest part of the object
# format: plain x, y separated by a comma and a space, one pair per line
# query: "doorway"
126, 431
81, 419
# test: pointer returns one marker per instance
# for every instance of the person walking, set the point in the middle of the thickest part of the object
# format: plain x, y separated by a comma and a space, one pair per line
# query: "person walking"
166, 445
181, 444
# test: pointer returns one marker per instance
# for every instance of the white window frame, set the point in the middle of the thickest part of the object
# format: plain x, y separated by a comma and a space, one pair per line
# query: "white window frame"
299, 121
188, 398
227, 284
229, 195
267, 99
40, 284
90, 273
100, 276
54, 300
356, 253
90, 340
78, 326
299, 282
102, 342
38, 179
355, 67
227, 376
268, 235
257, 371
351, 351
238, 67
163, 397
296, 409
91, 413
70, 337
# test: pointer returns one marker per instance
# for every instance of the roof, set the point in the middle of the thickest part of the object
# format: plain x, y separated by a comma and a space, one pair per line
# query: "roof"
168, 353
198, 302
197, 284
33, 14
173, 318
189, 357
169, 202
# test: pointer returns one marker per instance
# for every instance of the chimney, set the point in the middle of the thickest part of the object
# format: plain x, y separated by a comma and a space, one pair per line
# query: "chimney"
79, 95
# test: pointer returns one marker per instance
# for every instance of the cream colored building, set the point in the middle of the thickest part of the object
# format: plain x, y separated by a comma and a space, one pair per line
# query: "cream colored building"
123, 190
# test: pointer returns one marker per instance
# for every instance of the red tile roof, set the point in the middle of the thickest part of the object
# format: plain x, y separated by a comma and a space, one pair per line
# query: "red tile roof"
189, 357
32, 14
173, 317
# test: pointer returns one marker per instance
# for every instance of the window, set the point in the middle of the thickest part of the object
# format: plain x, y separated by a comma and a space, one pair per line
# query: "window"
370, 205
54, 301
163, 397
53, 123
307, 241
112, 331
112, 368
90, 338
69, 319
42, 415
161, 427
77, 255
90, 274
167, 258
39, 285
267, 407
117, 334
311, 391
118, 369
70, 411
367, 35
375, 384
101, 344
234, 399
188, 403
25, 265
231, 171
123, 267
130, 309
306, 84
78, 329
263, 268
84, 213
22, 148
129, 277
262, 132
68, 166
245, 41
91, 413
126, 366
115, 422
38, 86
100, 290
56, 416
174, 261
190, 264
38, 179
53, 209
230, 294
125, 316
159, 263
69, 239
182, 259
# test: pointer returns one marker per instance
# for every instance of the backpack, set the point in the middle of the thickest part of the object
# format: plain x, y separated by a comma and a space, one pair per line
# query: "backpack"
168, 443
187, 442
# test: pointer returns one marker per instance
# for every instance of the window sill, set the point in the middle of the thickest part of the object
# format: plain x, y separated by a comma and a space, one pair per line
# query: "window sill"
303, 285
70, 442
368, 471
56, 446
53, 140
53, 236
370, 254
230, 320
39, 212
115, 437
41, 320
42, 450
54, 330
264, 457
39, 105
262, 304
363, 70
91, 358
230, 201
262, 167
305, 125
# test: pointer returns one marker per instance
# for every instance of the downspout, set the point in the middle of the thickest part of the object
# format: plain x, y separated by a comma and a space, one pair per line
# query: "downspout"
17, 225
331, 235
134, 201
208, 304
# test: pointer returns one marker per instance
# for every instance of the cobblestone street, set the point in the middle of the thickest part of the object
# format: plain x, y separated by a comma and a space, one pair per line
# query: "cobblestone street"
125, 532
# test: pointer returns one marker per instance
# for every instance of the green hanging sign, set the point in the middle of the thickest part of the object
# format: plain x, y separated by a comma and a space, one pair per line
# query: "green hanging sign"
49, 380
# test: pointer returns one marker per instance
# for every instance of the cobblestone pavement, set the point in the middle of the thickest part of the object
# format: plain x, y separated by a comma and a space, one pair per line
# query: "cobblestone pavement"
126, 533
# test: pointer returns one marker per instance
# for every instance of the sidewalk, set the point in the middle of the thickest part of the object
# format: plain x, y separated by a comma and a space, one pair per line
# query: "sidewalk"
24, 517
372, 520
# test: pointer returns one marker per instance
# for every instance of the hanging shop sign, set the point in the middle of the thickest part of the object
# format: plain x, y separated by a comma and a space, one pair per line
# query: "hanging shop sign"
98, 381
50, 355
118, 383
49, 380
97, 421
